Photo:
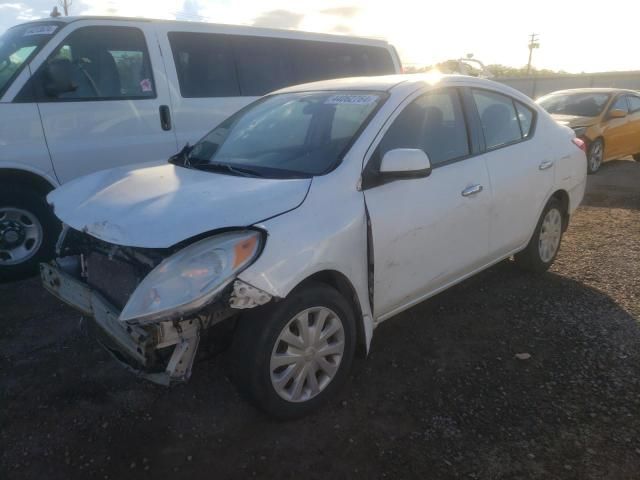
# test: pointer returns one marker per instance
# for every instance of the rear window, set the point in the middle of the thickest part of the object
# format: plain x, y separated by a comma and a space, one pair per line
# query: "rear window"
214, 65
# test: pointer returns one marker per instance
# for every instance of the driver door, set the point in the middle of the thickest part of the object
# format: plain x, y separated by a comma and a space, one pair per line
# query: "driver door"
428, 232
114, 114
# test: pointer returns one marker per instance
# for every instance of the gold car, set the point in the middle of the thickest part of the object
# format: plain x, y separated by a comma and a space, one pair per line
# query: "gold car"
607, 119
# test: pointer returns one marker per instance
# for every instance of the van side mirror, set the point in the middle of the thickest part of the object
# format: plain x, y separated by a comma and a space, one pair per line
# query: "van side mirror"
617, 113
405, 163
57, 78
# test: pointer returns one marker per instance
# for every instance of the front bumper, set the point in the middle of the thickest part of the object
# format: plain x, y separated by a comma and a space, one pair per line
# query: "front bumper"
135, 347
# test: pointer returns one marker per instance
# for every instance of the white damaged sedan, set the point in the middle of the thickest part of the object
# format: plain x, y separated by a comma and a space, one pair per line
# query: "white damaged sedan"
291, 230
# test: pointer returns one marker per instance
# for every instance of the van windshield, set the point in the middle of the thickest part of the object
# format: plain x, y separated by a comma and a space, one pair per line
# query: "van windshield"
285, 135
18, 45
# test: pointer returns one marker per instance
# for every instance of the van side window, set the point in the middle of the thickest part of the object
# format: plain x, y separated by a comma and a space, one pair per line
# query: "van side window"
498, 117
264, 64
434, 123
205, 65
98, 63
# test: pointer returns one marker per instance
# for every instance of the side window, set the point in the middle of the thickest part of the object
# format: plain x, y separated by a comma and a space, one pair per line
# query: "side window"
525, 117
498, 117
264, 64
634, 103
205, 65
433, 123
98, 63
620, 103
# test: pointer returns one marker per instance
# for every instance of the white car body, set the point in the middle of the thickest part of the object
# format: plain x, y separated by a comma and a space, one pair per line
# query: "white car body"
45, 142
393, 244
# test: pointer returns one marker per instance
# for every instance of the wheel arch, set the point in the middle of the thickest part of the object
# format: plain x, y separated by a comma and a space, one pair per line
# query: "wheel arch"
344, 286
27, 178
563, 197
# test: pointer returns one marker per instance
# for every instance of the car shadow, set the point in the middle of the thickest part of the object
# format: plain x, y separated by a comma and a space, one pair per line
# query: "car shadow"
615, 185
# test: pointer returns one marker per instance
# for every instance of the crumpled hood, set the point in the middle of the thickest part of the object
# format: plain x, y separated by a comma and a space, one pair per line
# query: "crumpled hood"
160, 205
574, 120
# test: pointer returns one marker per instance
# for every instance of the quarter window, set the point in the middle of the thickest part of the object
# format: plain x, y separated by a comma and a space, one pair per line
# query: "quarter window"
433, 123
634, 103
525, 117
108, 63
500, 122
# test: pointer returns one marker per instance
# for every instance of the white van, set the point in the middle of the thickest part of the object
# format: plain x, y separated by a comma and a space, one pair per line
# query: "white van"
80, 94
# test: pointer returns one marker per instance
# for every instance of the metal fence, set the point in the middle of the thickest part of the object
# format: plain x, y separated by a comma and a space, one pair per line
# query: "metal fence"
538, 86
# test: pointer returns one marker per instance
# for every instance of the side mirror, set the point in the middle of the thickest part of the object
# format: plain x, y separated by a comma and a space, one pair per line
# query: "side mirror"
58, 78
405, 163
617, 113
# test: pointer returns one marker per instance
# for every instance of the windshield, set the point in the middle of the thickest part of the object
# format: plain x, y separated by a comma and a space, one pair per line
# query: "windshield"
580, 104
291, 134
18, 45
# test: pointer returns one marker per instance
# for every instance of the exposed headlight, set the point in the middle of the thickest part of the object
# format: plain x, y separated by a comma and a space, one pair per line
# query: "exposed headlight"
192, 277
580, 131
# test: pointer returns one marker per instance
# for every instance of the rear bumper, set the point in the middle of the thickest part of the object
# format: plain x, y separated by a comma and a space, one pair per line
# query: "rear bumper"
133, 346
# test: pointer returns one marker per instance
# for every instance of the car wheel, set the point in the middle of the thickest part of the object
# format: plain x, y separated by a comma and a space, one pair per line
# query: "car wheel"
595, 156
28, 232
291, 357
544, 245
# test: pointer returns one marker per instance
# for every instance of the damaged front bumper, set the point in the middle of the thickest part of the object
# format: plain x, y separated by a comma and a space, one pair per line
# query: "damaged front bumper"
136, 347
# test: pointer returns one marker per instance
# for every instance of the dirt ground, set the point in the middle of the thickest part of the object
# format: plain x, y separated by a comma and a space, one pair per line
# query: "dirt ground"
442, 395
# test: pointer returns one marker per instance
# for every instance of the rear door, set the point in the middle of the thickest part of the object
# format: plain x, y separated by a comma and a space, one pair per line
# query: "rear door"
113, 117
617, 131
632, 143
521, 168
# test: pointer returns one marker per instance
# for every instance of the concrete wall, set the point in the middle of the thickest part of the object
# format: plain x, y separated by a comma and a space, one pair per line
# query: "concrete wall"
537, 86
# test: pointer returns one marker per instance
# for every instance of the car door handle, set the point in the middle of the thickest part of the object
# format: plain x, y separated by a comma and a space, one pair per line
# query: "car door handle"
165, 117
545, 165
471, 190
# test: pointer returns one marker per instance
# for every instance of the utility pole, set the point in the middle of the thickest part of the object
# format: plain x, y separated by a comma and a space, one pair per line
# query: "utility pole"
533, 43
65, 4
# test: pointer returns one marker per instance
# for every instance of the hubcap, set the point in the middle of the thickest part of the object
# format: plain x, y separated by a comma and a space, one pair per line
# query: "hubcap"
595, 156
307, 354
550, 234
20, 235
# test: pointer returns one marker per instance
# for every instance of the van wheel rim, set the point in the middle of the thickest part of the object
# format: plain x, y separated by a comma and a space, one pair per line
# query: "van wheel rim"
550, 234
307, 354
595, 156
20, 235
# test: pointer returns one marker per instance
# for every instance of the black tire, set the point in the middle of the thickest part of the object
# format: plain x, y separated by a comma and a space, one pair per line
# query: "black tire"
596, 146
530, 258
33, 202
255, 340
636, 157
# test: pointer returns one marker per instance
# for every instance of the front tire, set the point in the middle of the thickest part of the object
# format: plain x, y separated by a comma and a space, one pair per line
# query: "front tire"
595, 156
28, 232
544, 245
291, 357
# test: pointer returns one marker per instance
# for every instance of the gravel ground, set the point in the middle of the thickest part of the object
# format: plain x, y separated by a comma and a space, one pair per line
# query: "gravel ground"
506, 375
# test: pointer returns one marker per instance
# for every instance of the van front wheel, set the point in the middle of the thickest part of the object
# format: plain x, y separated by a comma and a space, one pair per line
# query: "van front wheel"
28, 232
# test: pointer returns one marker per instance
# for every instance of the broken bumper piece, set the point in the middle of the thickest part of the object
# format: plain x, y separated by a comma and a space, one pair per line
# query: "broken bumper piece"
137, 348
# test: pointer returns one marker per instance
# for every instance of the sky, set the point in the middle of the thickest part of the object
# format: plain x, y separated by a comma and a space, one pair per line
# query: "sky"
575, 36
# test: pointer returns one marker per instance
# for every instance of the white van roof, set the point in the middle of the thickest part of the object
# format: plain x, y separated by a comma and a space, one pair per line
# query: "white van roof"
230, 29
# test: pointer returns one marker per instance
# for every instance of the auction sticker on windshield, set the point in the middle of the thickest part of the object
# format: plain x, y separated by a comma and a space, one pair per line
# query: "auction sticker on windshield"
41, 30
351, 99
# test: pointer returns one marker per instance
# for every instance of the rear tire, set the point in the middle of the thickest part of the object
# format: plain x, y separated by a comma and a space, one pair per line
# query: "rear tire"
278, 370
544, 245
28, 232
595, 156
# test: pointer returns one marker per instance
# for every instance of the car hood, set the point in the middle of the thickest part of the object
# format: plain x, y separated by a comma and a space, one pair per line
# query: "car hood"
574, 120
160, 205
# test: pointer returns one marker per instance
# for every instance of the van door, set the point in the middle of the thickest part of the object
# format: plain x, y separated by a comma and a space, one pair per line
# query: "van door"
203, 77
103, 99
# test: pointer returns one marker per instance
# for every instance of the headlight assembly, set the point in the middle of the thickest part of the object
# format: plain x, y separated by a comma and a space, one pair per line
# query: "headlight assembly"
192, 277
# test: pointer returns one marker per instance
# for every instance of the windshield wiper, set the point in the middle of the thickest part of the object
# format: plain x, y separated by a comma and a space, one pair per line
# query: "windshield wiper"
225, 167
182, 157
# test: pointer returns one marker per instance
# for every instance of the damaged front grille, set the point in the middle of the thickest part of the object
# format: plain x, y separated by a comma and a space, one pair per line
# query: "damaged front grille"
113, 278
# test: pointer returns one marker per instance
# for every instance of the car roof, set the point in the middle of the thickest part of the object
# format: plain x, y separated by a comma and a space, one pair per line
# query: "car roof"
408, 82
593, 90
226, 28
